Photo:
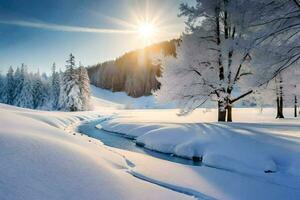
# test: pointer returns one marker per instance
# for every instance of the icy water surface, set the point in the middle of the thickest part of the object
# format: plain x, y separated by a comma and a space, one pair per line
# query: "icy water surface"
121, 142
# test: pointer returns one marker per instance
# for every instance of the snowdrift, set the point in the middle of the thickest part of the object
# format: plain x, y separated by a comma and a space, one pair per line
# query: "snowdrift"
259, 146
43, 158
39, 160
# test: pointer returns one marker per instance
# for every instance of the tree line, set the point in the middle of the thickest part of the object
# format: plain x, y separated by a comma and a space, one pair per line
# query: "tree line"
134, 72
67, 91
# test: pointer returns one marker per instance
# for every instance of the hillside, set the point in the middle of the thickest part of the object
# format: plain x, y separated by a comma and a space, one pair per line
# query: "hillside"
134, 72
105, 98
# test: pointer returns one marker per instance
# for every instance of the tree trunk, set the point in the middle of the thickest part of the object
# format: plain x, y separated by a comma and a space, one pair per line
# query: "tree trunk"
221, 112
279, 108
279, 100
295, 107
281, 104
229, 113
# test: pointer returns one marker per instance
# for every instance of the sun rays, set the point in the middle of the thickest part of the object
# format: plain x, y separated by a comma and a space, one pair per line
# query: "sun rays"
147, 22
150, 22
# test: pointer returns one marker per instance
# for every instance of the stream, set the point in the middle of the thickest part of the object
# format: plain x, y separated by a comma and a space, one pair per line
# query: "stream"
121, 142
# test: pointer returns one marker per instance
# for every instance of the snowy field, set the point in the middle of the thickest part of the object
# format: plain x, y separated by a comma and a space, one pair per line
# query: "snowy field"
256, 157
102, 97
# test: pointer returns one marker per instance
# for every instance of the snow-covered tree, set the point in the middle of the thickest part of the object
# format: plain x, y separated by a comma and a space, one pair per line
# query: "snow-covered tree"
212, 59
37, 91
279, 96
23, 89
46, 100
9, 87
280, 26
25, 98
291, 87
2, 88
19, 78
282, 91
55, 87
215, 58
84, 86
70, 92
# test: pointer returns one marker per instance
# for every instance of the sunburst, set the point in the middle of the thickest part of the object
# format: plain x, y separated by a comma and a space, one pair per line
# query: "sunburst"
149, 24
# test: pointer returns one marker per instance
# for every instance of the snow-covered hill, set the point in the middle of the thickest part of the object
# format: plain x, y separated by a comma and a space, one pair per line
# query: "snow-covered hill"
102, 97
41, 157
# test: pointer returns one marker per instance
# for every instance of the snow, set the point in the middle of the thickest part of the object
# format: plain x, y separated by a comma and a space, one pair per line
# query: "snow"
40, 161
44, 158
102, 97
251, 148
210, 183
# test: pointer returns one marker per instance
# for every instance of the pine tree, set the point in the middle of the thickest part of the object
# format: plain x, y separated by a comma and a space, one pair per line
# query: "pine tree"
37, 91
2, 89
55, 87
18, 83
9, 87
70, 93
46, 101
25, 98
84, 86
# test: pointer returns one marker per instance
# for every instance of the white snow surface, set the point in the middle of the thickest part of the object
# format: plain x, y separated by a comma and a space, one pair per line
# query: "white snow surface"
256, 145
102, 97
43, 158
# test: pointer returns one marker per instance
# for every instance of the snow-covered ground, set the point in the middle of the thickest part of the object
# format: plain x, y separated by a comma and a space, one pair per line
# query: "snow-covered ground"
256, 145
102, 97
43, 158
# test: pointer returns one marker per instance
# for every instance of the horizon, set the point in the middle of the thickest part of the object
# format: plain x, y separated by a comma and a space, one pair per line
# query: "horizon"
93, 31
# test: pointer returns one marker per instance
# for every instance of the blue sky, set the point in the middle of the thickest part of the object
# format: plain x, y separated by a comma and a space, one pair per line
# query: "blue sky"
40, 32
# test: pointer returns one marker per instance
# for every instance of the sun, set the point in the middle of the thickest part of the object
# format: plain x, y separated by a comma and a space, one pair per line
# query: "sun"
147, 23
146, 30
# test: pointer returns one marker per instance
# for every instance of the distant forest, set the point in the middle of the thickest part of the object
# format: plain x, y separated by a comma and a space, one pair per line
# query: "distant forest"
134, 72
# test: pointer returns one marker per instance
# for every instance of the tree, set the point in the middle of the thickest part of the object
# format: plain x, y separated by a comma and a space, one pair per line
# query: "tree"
9, 87
2, 89
213, 58
70, 93
133, 72
55, 87
84, 87
46, 101
280, 25
37, 90
291, 87
19, 78
279, 96
25, 98
216, 56
282, 91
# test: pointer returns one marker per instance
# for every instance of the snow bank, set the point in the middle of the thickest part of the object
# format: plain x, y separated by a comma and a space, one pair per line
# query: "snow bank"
41, 157
40, 161
210, 183
253, 148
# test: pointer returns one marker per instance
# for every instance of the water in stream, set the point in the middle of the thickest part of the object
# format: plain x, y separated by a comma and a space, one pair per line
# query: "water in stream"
121, 142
